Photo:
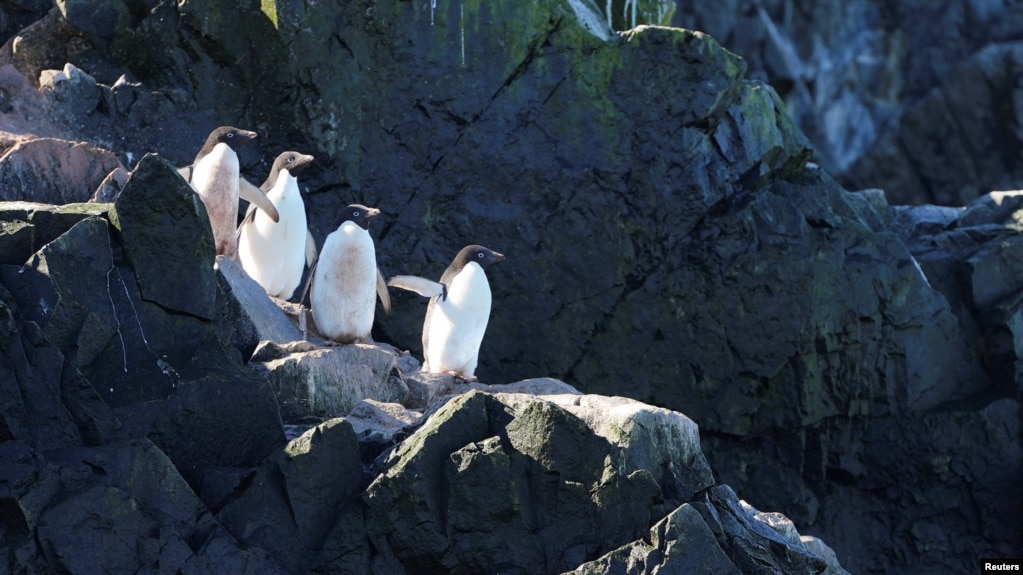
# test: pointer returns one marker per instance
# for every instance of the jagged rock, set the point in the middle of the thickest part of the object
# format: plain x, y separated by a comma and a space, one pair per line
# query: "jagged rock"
292, 504
662, 442
626, 14
134, 368
253, 316
53, 171
522, 477
317, 383
118, 508
33, 412
110, 186
668, 243
378, 425
28, 226
874, 94
167, 238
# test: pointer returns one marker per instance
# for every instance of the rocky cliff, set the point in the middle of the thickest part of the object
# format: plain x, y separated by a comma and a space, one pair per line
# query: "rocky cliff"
919, 98
850, 364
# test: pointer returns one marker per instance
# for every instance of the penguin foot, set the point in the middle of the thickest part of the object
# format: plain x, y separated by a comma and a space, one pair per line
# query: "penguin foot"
461, 378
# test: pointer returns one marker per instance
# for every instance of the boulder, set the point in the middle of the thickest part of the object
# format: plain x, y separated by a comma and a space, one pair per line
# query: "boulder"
291, 505
168, 241
314, 383
254, 317
526, 486
28, 226
82, 508
53, 171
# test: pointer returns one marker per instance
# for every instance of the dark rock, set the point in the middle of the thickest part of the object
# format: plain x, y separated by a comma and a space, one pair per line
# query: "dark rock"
924, 110
669, 241
83, 508
30, 380
526, 486
291, 506
167, 239
27, 227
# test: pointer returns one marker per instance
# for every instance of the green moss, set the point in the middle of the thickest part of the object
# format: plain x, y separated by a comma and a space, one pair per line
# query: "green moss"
269, 7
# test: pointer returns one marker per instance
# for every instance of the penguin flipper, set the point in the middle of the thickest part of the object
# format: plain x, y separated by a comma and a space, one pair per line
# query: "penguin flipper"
310, 249
250, 214
186, 173
255, 196
422, 286
385, 297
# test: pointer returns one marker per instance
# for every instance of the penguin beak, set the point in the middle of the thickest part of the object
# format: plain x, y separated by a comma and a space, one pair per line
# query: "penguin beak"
498, 257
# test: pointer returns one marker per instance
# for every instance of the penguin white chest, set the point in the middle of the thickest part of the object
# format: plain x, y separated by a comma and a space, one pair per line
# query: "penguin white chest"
457, 324
272, 253
343, 296
215, 179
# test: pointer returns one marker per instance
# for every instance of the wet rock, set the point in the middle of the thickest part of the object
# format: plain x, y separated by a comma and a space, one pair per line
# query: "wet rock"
625, 14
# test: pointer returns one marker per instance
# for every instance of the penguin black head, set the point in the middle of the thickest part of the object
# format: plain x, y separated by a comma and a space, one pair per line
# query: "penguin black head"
476, 253
233, 137
294, 162
356, 213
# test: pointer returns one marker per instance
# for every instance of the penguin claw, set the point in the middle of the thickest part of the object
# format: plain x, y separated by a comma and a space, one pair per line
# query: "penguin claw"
461, 378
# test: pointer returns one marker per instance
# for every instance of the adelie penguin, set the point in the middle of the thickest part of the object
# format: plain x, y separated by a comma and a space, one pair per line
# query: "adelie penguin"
345, 281
275, 253
215, 176
457, 315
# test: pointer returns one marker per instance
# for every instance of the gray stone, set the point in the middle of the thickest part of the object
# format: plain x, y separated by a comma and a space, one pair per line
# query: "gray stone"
254, 316
317, 383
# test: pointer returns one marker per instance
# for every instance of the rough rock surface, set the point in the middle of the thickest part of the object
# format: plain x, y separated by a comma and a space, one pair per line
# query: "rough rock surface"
918, 98
850, 364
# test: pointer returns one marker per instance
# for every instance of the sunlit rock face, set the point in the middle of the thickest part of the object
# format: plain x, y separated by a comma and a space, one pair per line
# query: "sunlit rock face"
672, 236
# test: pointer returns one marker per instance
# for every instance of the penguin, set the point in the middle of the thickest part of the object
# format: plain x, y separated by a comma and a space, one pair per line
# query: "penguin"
215, 176
344, 278
457, 315
275, 253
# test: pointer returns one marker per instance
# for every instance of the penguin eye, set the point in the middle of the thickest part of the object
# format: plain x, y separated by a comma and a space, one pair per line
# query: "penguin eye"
230, 135
291, 160
355, 213
480, 255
